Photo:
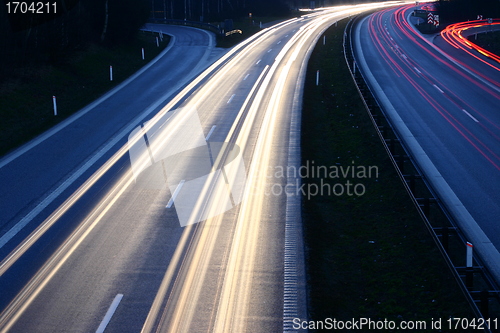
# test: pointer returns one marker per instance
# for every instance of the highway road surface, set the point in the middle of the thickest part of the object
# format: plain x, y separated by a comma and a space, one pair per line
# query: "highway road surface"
181, 225
444, 103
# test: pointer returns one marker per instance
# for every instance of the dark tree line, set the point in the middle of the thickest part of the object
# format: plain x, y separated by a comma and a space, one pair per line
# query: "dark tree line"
216, 10
41, 38
50, 38
463, 10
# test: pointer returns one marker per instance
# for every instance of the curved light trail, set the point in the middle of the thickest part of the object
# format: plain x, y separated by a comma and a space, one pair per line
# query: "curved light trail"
454, 34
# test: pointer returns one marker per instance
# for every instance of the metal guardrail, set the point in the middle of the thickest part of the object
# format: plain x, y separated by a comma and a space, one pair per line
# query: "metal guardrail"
477, 284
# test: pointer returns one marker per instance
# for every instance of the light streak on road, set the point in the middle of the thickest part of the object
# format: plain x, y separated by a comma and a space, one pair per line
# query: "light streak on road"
454, 35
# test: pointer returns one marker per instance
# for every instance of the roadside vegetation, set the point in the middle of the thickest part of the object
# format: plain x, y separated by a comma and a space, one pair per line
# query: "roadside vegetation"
26, 107
368, 256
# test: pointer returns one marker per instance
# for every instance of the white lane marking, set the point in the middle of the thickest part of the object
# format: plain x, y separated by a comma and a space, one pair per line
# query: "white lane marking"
258, 61
210, 133
53, 195
269, 50
230, 98
439, 89
109, 314
472, 117
278, 43
286, 36
404, 56
177, 190
246, 77
416, 69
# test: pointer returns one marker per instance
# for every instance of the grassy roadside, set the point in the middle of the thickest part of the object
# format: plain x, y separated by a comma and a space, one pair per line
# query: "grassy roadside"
368, 256
489, 41
26, 100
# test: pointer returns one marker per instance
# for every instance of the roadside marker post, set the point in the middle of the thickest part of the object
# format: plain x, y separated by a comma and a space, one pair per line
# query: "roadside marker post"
157, 42
317, 78
54, 103
469, 270
142, 53
110, 73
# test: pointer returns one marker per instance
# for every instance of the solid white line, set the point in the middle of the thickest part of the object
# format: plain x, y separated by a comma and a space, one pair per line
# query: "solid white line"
109, 314
246, 77
71, 179
467, 113
177, 190
231, 98
442, 92
210, 133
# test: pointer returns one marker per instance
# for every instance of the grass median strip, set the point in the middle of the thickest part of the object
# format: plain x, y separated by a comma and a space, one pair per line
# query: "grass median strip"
368, 253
